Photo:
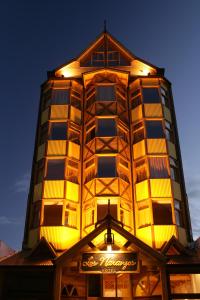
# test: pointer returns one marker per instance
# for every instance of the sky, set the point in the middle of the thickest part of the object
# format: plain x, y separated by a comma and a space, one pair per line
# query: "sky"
37, 36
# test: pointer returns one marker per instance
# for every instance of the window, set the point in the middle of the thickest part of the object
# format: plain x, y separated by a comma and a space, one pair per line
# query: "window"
39, 171
138, 133
177, 208
106, 127
136, 101
35, 222
123, 134
102, 211
141, 170
90, 135
58, 131
52, 215
74, 136
106, 166
164, 96
162, 214
55, 169
151, 95
174, 169
169, 131
60, 97
158, 167
43, 133
154, 129
70, 216
105, 93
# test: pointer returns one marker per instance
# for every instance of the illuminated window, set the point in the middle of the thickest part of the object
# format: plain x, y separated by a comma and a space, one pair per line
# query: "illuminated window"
177, 208
74, 136
55, 169
58, 131
90, 135
138, 133
151, 95
154, 129
52, 215
60, 97
106, 166
105, 93
141, 170
70, 216
174, 169
158, 167
102, 211
106, 127
75, 115
136, 99
162, 214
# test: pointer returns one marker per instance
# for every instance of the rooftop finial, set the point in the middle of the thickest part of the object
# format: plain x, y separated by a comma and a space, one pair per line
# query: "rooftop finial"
105, 28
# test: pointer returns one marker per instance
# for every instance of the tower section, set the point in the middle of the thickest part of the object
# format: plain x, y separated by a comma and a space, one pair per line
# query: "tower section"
159, 194
106, 149
54, 200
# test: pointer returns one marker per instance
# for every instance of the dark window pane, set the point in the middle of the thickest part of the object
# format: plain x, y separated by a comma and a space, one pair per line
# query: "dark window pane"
55, 169
151, 95
60, 97
52, 215
162, 214
90, 135
138, 136
154, 129
105, 93
106, 127
94, 285
58, 131
158, 167
102, 211
106, 167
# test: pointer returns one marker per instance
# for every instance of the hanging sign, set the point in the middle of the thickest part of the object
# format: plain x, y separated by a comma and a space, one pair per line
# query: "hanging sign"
104, 262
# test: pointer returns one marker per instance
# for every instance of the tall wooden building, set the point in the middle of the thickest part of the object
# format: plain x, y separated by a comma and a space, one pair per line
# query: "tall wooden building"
107, 213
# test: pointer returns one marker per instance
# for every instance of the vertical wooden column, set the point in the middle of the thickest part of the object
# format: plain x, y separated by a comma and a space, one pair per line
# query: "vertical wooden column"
57, 283
164, 280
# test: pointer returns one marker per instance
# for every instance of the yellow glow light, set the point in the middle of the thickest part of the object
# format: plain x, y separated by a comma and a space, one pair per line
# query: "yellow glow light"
109, 248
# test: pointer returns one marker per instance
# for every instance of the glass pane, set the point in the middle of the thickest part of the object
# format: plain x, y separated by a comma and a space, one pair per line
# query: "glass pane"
52, 215
158, 167
55, 169
151, 95
106, 127
58, 131
162, 214
105, 93
60, 97
106, 167
185, 283
154, 129
109, 285
94, 285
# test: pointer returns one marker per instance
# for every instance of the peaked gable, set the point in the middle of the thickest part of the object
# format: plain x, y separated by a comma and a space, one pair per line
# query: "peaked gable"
139, 245
42, 250
173, 248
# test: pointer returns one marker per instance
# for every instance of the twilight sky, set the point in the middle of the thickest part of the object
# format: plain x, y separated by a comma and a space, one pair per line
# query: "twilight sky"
37, 36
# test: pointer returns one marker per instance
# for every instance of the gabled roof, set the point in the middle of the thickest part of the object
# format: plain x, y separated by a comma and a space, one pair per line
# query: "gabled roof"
173, 247
104, 42
139, 245
43, 250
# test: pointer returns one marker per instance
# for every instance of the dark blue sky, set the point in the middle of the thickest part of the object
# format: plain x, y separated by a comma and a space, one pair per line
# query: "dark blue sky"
37, 36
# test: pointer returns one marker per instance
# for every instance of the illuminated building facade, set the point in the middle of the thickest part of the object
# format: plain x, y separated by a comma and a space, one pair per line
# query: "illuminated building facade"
107, 205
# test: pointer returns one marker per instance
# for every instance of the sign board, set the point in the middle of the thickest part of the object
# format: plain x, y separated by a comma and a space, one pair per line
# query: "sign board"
105, 262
